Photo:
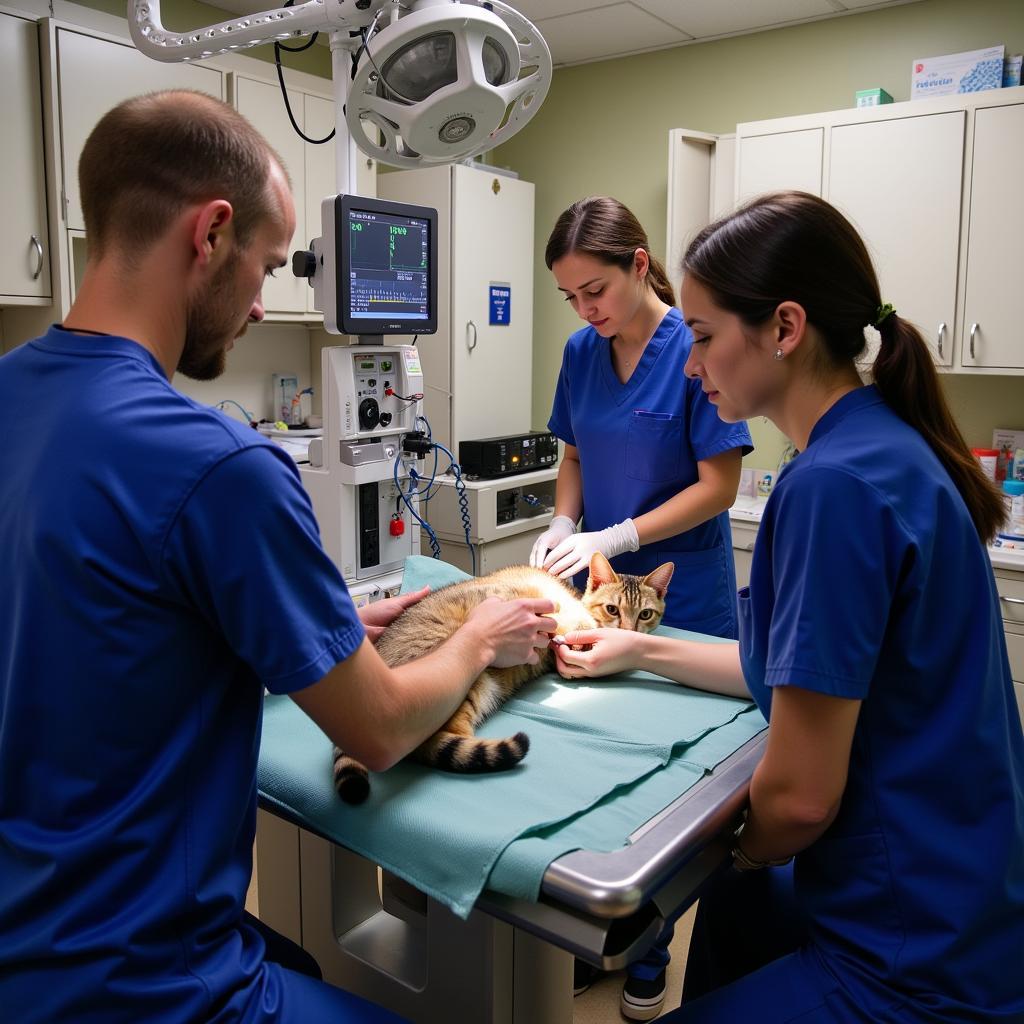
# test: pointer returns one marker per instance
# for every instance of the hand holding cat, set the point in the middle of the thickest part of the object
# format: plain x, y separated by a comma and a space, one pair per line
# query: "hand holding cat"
515, 630
573, 554
558, 529
378, 615
609, 651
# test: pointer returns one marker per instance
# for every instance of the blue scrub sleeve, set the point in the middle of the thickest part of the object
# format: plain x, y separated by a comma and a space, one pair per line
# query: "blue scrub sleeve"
560, 423
835, 555
245, 551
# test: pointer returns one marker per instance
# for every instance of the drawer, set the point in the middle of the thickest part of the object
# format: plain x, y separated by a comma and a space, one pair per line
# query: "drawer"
743, 535
1019, 689
1015, 648
1011, 598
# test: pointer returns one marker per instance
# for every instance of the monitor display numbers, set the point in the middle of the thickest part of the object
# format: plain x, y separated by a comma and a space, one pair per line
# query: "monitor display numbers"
388, 266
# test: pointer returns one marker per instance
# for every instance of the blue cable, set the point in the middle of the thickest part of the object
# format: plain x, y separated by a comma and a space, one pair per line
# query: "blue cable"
435, 546
460, 490
231, 401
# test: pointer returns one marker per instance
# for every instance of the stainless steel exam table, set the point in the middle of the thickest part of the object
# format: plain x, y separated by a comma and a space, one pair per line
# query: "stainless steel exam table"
510, 962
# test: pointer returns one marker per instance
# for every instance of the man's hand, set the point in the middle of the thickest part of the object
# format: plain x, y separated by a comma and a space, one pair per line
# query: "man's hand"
378, 615
514, 630
608, 651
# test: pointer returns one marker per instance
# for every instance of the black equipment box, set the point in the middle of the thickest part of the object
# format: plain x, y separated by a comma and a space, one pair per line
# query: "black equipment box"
503, 456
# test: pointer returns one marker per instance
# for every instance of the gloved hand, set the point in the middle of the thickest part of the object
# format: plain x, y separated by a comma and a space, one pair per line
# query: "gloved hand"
573, 554
558, 529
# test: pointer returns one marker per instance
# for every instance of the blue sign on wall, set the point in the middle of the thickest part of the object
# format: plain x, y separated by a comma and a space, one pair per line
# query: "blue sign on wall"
500, 304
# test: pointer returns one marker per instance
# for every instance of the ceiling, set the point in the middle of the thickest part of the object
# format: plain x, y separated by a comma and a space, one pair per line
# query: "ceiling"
587, 30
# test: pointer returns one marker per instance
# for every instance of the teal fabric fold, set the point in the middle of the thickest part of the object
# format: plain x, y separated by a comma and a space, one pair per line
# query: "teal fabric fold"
604, 756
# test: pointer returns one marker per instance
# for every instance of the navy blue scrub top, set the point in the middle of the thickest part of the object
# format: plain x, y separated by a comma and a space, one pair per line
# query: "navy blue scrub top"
869, 582
162, 565
639, 444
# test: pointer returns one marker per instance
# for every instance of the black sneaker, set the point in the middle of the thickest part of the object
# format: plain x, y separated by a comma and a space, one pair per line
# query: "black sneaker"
583, 976
642, 998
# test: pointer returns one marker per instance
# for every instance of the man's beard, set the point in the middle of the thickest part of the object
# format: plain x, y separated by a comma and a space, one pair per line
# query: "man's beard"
210, 324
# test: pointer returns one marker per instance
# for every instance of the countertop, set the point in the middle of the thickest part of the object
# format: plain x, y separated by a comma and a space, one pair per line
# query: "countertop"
748, 510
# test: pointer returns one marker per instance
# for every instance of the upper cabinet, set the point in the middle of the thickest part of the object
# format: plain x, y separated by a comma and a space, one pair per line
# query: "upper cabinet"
992, 331
933, 188
95, 74
911, 222
25, 253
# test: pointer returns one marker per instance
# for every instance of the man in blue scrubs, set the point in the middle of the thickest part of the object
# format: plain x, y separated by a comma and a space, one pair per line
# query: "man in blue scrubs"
162, 566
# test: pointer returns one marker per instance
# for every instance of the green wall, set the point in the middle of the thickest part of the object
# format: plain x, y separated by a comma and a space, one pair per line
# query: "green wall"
604, 129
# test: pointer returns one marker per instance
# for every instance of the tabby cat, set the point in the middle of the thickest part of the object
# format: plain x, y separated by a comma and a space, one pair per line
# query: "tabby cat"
620, 601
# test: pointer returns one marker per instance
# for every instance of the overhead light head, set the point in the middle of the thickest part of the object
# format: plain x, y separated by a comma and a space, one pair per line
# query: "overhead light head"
446, 81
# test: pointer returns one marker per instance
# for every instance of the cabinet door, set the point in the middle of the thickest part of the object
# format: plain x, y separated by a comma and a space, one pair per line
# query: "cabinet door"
899, 182
24, 256
263, 105
492, 245
95, 75
993, 300
785, 160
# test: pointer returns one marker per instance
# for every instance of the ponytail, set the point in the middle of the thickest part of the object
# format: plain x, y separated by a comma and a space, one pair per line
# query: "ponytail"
906, 379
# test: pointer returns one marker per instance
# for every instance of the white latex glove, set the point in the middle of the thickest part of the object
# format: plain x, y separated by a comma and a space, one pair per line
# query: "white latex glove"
573, 554
558, 529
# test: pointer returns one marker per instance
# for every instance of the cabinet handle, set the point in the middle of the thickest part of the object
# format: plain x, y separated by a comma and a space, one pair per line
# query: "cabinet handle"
470, 344
942, 334
38, 246
1010, 600
974, 331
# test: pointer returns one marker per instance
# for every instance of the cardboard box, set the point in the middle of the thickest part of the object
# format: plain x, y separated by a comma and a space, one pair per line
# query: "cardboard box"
971, 71
871, 97
1006, 442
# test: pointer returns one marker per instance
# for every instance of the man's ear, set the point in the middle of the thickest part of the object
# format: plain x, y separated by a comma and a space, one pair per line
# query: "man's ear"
212, 231
790, 324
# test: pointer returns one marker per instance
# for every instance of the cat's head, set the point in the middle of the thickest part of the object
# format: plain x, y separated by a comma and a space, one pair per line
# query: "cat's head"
621, 601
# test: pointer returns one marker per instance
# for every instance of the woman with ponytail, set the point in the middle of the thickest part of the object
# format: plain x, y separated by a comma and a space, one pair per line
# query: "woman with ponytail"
648, 465
879, 875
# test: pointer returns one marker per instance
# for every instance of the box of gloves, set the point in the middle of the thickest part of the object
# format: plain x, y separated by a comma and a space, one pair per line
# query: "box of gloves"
971, 71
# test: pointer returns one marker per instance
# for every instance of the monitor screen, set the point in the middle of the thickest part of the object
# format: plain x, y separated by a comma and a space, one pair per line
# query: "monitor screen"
387, 266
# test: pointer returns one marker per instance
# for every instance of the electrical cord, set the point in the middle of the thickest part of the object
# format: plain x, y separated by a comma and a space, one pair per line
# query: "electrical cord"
230, 401
367, 35
278, 47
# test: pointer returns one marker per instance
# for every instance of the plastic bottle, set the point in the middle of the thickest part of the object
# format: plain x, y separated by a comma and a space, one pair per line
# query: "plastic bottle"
1013, 499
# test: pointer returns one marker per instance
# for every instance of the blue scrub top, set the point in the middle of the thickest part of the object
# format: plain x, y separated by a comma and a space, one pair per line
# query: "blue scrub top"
162, 565
639, 444
869, 582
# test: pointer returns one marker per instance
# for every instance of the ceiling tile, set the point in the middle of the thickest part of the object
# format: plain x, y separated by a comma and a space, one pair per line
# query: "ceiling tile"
703, 18
536, 9
606, 32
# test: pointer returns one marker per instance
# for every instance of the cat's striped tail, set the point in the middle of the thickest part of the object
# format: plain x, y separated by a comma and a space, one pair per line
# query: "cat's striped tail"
470, 754
351, 779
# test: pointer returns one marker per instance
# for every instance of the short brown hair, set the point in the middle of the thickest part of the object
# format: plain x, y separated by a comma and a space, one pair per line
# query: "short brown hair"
153, 155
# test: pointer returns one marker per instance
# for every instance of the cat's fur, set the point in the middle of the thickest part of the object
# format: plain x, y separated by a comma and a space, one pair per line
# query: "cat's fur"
622, 601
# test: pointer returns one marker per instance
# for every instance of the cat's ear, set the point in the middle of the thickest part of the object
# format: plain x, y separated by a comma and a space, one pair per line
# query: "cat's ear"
659, 579
601, 572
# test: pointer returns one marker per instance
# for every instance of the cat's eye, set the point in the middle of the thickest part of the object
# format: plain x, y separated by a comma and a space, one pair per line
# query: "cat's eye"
647, 613
611, 609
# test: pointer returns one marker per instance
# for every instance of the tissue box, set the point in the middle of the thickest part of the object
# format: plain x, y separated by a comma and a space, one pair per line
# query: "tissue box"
971, 71
871, 97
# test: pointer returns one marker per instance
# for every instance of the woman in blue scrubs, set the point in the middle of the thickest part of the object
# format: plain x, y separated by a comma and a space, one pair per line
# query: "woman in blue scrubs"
648, 464
880, 873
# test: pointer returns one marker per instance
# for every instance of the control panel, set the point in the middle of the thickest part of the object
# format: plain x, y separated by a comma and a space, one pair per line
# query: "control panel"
381, 391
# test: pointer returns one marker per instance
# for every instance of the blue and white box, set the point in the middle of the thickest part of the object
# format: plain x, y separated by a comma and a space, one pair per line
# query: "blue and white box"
972, 71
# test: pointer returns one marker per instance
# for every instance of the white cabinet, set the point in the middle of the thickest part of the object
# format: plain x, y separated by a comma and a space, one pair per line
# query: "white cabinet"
993, 321
24, 255
910, 222
96, 74
743, 536
1010, 585
477, 375
780, 160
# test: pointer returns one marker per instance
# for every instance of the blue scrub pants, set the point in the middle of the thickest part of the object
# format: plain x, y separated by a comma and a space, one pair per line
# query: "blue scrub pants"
749, 959
295, 993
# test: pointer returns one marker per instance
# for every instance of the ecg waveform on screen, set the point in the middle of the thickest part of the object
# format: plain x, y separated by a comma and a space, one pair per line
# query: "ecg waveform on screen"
388, 266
